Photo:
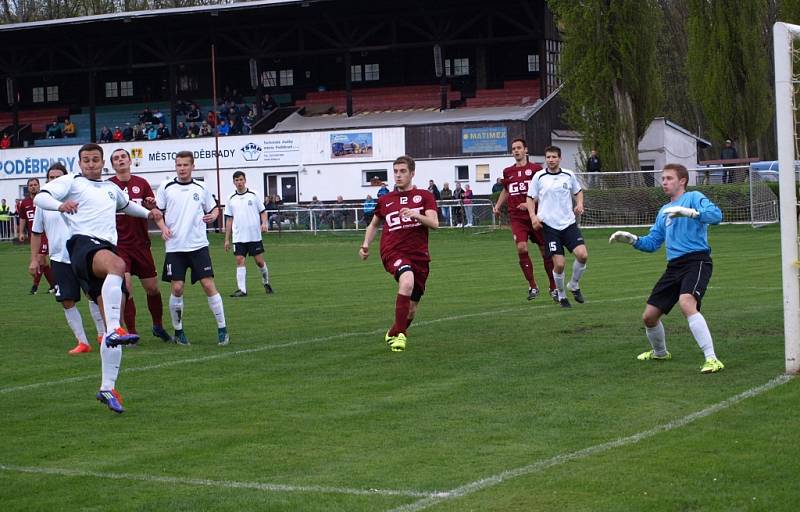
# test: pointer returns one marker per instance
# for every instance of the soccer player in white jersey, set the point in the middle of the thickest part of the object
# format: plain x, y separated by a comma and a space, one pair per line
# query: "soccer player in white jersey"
92, 205
683, 225
246, 219
553, 189
67, 286
188, 207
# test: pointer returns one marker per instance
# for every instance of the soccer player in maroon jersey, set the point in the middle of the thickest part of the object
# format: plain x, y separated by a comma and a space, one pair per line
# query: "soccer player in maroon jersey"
515, 190
133, 245
407, 214
26, 211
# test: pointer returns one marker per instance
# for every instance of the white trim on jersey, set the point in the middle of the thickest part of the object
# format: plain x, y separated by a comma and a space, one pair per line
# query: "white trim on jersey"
245, 210
55, 227
98, 203
554, 192
184, 205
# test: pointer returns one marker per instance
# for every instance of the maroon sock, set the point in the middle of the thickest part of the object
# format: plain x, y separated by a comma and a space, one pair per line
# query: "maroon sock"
401, 308
548, 268
130, 315
37, 277
527, 268
156, 308
48, 274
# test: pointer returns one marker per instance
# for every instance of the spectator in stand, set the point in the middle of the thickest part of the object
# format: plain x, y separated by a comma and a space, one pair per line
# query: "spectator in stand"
194, 114
338, 213
272, 208
236, 97
313, 208
205, 130
163, 131
152, 132
146, 116
127, 133
5, 143
458, 211
446, 194
54, 131
70, 130
194, 130
498, 186
593, 163
223, 128
211, 119
369, 209
728, 153
268, 103
383, 190
117, 136
433, 189
158, 116
183, 106
139, 132
181, 132
106, 135
468, 195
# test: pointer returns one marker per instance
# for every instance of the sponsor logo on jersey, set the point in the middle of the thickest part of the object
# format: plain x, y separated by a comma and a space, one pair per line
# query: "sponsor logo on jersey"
518, 188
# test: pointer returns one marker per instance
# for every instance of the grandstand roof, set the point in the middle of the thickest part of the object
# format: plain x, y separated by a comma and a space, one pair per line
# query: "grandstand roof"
130, 15
297, 122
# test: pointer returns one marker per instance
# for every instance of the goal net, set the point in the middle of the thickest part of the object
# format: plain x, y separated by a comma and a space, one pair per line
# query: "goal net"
787, 93
634, 198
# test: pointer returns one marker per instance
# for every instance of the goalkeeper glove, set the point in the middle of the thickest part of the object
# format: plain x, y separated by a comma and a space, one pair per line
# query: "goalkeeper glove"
623, 236
680, 211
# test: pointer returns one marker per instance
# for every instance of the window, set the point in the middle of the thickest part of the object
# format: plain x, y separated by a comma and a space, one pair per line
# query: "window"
52, 93
38, 94
482, 172
269, 78
111, 90
374, 177
456, 67
287, 77
533, 63
126, 88
462, 173
187, 83
372, 72
355, 73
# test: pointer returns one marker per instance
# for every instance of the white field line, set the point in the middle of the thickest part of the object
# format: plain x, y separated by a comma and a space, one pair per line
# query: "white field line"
536, 467
288, 344
230, 484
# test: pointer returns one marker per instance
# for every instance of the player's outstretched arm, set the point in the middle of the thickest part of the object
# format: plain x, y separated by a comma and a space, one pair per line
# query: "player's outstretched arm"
228, 230
369, 236
623, 237
501, 200
36, 244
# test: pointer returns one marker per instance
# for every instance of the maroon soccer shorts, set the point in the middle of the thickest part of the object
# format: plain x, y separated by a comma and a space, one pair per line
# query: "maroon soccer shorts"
138, 260
522, 229
43, 249
394, 264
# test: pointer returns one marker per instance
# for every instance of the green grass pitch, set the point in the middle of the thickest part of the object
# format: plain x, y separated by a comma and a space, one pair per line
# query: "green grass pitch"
497, 404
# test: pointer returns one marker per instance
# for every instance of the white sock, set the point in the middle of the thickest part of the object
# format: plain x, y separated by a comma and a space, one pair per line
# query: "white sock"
577, 272
657, 338
215, 303
110, 359
241, 278
176, 311
264, 274
75, 323
699, 328
97, 316
559, 279
112, 300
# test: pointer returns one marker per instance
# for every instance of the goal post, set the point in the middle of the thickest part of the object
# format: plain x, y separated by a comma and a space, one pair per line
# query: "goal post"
786, 80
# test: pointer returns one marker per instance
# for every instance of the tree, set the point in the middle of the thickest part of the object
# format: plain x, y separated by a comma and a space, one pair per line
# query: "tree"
19, 11
611, 85
728, 63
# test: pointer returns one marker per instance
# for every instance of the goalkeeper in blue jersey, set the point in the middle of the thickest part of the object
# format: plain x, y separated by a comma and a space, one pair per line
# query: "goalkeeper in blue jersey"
683, 225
